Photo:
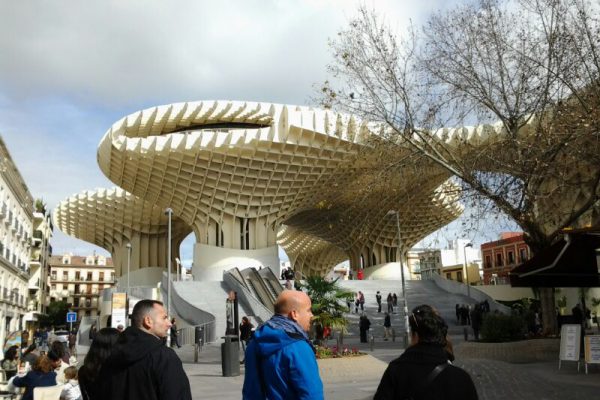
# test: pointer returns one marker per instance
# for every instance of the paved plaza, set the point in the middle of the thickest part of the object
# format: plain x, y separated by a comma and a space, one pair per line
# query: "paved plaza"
493, 379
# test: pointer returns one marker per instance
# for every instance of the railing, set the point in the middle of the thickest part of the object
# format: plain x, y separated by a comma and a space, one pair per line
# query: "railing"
187, 335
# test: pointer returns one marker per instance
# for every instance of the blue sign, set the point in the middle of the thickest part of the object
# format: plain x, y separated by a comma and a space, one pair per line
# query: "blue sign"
71, 316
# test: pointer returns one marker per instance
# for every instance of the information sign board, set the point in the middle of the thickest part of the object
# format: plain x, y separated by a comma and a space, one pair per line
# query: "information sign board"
570, 345
591, 346
119, 310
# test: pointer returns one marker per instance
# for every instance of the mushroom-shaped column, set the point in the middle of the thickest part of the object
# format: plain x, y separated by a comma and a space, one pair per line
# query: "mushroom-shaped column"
113, 218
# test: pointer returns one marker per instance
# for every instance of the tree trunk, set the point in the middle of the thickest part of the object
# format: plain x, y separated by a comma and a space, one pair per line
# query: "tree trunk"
548, 311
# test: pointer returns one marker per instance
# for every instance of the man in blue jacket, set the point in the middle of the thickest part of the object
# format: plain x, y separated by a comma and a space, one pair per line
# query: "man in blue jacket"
280, 360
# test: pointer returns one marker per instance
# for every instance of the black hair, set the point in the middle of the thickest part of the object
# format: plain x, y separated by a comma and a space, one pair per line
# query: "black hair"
141, 310
98, 353
429, 325
11, 353
58, 348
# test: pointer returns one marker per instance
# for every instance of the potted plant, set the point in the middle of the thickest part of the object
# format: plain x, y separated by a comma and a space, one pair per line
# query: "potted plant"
561, 302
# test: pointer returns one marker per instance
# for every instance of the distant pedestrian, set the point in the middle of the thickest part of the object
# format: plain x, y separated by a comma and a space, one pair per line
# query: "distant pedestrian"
364, 325
92, 333
280, 359
423, 370
174, 334
457, 313
361, 300
378, 298
96, 356
476, 320
245, 333
141, 366
395, 300
387, 326
288, 284
73, 343
390, 303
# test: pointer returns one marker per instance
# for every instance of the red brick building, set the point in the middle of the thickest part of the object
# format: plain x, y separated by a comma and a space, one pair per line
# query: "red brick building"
501, 256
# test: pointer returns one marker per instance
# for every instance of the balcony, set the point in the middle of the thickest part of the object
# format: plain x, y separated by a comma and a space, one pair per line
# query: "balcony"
37, 237
3, 210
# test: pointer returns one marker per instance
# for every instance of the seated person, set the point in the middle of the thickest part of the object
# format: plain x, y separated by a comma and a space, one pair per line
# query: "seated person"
41, 375
10, 362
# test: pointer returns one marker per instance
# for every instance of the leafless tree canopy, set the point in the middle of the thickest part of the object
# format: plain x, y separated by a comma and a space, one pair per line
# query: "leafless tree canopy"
529, 67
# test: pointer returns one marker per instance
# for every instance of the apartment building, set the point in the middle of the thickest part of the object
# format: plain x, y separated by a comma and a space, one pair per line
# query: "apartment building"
79, 280
501, 256
16, 221
40, 252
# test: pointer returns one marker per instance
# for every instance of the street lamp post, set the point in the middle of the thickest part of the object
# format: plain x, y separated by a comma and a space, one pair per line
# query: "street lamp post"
467, 268
128, 265
169, 213
399, 253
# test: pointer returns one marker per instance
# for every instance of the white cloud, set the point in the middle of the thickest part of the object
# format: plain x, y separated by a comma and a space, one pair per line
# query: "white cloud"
69, 69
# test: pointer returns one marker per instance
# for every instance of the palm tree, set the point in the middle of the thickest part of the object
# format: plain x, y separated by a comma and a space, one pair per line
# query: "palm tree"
328, 304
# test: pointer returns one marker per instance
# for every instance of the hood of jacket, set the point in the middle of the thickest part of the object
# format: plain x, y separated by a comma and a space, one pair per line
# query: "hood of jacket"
132, 346
270, 339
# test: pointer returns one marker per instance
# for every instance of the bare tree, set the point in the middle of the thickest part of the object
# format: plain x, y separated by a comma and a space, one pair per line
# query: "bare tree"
529, 69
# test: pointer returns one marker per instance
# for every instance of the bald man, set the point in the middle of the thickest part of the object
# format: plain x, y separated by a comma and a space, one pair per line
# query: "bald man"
280, 360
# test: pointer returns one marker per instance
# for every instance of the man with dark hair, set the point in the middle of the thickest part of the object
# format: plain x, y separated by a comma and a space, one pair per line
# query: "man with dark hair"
280, 360
423, 371
140, 365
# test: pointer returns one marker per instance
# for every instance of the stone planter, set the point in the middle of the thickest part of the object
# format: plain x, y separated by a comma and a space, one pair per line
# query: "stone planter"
524, 351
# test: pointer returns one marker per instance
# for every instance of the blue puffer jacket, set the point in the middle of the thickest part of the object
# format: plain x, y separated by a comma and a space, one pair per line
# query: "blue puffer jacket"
281, 365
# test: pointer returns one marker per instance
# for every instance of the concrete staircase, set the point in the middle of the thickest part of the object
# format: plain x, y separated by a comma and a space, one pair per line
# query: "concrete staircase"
417, 292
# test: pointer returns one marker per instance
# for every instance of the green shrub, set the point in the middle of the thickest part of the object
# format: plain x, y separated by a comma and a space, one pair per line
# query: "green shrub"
503, 328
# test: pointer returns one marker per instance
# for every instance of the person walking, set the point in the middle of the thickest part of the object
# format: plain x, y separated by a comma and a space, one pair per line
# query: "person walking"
361, 300
390, 303
364, 325
245, 333
423, 371
174, 334
395, 300
140, 365
476, 320
387, 326
378, 298
280, 359
92, 333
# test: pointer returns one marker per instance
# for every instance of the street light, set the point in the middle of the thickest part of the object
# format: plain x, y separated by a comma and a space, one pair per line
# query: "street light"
169, 213
467, 268
399, 252
128, 245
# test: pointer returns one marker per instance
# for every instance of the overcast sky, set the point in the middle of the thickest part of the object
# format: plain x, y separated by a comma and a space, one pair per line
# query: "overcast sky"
69, 69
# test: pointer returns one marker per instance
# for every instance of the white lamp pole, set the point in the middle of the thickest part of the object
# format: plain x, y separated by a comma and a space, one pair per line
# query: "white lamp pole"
399, 254
169, 213
128, 245
467, 268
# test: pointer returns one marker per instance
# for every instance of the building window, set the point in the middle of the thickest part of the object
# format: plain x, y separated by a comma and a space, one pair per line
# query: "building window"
459, 276
65, 275
101, 276
89, 276
511, 258
448, 276
523, 255
498, 260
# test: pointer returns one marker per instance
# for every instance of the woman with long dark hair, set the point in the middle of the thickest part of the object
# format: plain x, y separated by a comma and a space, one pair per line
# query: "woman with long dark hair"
99, 351
424, 370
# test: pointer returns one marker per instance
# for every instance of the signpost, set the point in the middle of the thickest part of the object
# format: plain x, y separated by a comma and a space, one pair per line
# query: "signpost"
71, 317
570, 337
119, 310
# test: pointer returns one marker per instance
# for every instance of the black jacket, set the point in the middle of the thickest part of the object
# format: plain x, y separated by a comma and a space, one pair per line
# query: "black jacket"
142, 367
406, 374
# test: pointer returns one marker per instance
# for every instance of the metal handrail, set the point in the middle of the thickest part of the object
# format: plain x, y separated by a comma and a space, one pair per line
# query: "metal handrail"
187, 335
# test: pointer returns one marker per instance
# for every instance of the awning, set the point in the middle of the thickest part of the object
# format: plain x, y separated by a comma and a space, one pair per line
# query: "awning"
573, 261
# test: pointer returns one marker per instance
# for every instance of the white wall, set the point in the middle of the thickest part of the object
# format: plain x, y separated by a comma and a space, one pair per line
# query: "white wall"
211, 261
389, 271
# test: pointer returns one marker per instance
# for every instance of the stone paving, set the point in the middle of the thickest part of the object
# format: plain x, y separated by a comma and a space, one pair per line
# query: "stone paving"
493, 379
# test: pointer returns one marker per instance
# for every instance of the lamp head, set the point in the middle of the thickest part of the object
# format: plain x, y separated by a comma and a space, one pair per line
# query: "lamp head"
469, 245
128, 245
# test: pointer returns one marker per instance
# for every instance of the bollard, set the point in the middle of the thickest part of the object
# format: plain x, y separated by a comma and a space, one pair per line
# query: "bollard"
466, 333
372, 342
393, 335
